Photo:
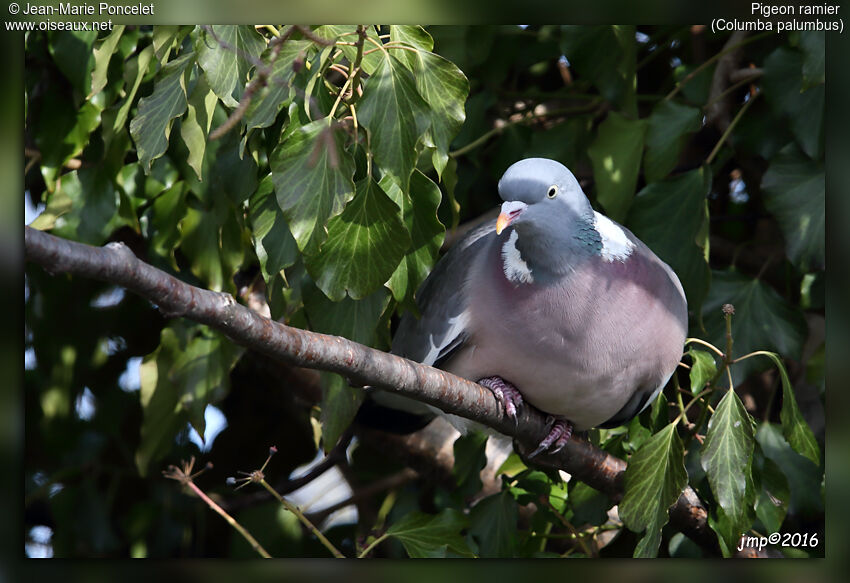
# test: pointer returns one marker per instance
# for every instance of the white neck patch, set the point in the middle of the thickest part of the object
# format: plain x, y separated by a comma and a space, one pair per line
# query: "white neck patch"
514, 266
615, 244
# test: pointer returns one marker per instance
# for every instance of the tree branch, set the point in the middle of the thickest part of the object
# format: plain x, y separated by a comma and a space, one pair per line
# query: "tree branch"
116, 264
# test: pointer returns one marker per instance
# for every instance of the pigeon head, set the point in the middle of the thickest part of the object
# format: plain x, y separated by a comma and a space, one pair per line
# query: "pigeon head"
541, 194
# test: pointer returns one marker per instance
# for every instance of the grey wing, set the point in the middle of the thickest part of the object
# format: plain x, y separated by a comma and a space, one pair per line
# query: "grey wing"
442, 327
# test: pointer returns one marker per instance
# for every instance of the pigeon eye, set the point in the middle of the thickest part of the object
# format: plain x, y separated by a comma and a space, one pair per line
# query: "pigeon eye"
553, 191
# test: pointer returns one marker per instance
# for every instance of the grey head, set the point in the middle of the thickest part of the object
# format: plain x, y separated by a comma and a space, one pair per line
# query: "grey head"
549, 211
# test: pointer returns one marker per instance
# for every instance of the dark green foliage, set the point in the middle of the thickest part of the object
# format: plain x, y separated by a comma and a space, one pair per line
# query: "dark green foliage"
325, 201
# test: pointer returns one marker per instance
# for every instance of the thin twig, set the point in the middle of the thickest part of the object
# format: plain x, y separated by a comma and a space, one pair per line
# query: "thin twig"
297, 512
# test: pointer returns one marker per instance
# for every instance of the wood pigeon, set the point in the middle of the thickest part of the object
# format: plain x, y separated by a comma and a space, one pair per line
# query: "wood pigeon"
554, 305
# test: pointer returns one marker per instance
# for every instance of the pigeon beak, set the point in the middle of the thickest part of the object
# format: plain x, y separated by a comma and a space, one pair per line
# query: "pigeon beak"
510, 211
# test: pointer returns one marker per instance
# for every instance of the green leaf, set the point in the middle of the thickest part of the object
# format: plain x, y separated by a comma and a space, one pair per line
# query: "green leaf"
762, 321
680, 201
212, 242
312, 177
357, 321
273, 243
426, 233
226, 55
783, 88
445, 88
616, 154
414, 36
813, 44
794, 427
278, 90
669, 127
493, 524
726, 456
340, 403
804, 478
167, 211
654, 479
364, 246
189, 369
703, 369
470, 458
93, 215
151, 126
134, 72
773, 492
196, 126
425, 536
62, 132
102, 56
396, 117
72, 53
441, 84
167, 37
605, 56
794, 192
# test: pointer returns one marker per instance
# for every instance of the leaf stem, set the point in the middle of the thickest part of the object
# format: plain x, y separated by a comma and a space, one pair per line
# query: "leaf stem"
704, 343
374, 543
304, 520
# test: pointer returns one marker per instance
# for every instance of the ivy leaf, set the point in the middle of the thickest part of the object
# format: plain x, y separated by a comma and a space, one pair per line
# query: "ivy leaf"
670, 124
762, 321
773, 492
273, 243
703, 369
396, 117
813, 45
470, 458
783, 88
805, 478
152, 125
616, 154
357, 321
426, 536
226, 56
654, 479
795, 429
364, 246
72, 53
680, 200
102, 56
189, 369
195, 127
278, 90
419, 212
212, 242
726, 456
605, 56
62, 132
794, 192
94, 202
312, 177
134, 72
493, 525
413, 36
445, 88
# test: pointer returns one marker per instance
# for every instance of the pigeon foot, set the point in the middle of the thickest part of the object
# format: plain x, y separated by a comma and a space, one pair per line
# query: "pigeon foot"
506, 394
559, 434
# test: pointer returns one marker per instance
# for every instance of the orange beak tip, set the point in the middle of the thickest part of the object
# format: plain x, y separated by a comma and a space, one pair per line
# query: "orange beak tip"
503, 221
